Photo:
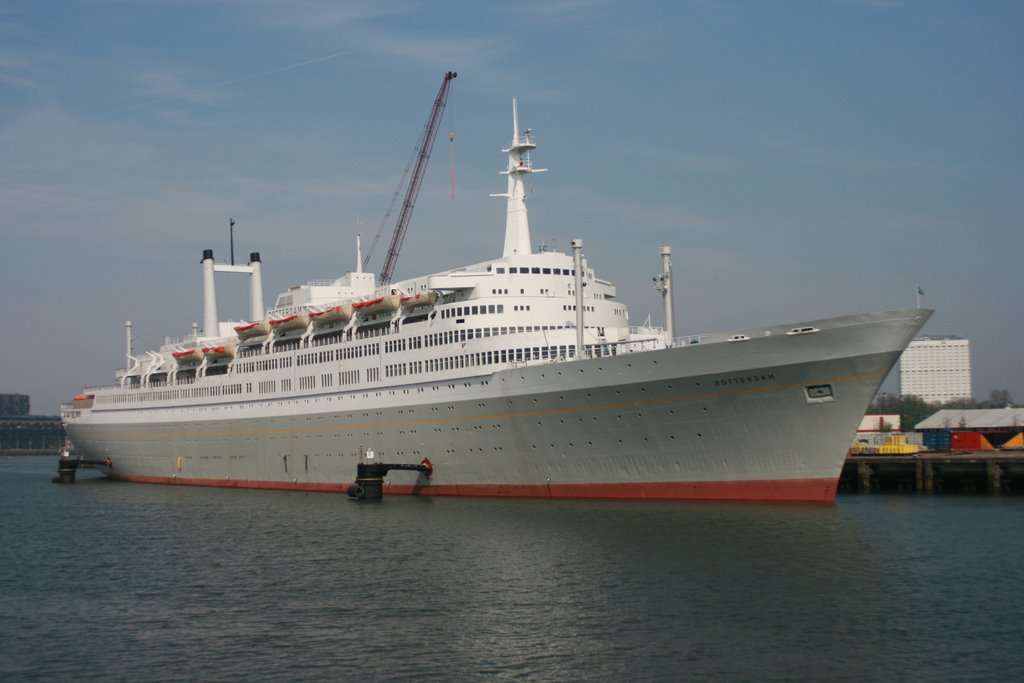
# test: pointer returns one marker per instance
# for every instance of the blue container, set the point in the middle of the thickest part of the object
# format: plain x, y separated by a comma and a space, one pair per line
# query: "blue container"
937, 440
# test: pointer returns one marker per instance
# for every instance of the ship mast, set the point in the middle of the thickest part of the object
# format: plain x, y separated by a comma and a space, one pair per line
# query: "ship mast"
520, 163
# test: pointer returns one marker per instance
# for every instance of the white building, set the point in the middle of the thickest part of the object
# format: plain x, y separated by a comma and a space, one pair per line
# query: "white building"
936, 369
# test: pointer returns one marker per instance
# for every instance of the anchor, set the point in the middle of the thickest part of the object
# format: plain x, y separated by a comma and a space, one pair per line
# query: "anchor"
369, 484
68, 465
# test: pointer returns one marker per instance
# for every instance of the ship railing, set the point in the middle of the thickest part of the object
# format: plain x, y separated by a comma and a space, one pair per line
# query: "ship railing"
102, 388
171, 342
646, 331
689, 340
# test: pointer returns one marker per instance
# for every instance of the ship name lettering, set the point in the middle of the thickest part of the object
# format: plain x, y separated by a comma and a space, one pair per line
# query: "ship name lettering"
747, 379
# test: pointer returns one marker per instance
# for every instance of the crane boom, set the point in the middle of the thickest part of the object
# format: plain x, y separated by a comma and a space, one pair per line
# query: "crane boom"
426, 144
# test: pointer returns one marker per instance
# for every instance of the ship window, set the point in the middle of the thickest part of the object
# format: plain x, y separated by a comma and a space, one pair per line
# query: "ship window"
500, 269
513, 270
547, 271
535, 271
476, 310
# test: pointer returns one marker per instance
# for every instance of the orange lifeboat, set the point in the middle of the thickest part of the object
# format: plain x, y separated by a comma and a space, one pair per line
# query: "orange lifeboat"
297, 321
417, 300
219, 351
188, 356
83, 400
255, 329
382, 304
332, 315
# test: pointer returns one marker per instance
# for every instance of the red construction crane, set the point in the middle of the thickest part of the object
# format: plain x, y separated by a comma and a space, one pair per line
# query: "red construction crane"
422, 155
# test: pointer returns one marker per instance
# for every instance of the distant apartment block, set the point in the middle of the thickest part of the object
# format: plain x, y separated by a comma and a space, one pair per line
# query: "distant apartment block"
25, 434
936, 369
14, 405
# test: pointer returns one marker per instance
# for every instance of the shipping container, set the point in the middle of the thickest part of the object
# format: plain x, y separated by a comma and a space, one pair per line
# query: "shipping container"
937, 440
970, 441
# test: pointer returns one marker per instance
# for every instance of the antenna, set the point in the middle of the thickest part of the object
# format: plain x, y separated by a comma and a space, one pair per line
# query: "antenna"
231, 230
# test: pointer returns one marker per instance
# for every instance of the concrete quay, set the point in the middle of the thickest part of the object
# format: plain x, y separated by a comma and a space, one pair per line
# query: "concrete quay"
993, 472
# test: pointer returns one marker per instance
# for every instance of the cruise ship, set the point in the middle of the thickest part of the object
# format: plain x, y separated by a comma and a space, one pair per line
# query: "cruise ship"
518, 375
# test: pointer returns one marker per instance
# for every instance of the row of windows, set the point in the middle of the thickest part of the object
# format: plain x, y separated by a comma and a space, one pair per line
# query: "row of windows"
263, 365
171, 394
318, 357
330, 355
365, 350
463, 311
523, 270
350, 377
403, 344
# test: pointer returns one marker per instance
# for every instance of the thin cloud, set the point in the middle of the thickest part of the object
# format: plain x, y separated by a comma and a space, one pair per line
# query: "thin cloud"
873, 4
18, 81
856, 160
443, 52
19, 71
553, 8
318, 15
167, 84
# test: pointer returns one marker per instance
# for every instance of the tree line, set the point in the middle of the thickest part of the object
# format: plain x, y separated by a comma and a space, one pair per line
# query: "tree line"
913, 409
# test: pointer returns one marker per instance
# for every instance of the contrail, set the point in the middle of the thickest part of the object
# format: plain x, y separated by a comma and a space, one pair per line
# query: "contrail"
225, 83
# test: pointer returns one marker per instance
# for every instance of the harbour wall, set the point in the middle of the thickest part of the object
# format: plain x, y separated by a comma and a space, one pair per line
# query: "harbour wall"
970, 472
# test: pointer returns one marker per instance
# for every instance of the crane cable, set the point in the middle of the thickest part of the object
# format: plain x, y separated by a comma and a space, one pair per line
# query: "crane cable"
394, 200
451, 138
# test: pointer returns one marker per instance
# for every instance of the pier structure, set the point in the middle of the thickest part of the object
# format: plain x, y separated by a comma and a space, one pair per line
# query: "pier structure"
30, 435
973, 472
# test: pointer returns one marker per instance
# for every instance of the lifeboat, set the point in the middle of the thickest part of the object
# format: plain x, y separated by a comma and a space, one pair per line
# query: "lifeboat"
83, 400
253, 329
219, 351
332, 315
188, 356
382, 304
297, 321
416, 300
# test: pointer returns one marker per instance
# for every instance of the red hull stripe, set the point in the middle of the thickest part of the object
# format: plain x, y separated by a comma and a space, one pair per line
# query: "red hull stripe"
788, 490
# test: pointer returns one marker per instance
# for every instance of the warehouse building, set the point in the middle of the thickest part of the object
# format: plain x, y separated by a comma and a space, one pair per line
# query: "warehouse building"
974, 429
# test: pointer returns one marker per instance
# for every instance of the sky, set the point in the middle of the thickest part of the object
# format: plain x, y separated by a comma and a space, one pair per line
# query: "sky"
803, 159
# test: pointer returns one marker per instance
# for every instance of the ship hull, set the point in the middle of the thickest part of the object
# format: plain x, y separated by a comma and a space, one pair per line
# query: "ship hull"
768, 418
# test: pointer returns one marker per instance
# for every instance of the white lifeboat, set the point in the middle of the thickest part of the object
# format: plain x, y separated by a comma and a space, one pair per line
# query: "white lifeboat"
296, 321
255, 329
382, 304
188, 356
220, 351
332, 315
417, 300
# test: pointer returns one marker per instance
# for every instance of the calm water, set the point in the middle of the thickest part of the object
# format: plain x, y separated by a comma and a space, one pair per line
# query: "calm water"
105, 581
